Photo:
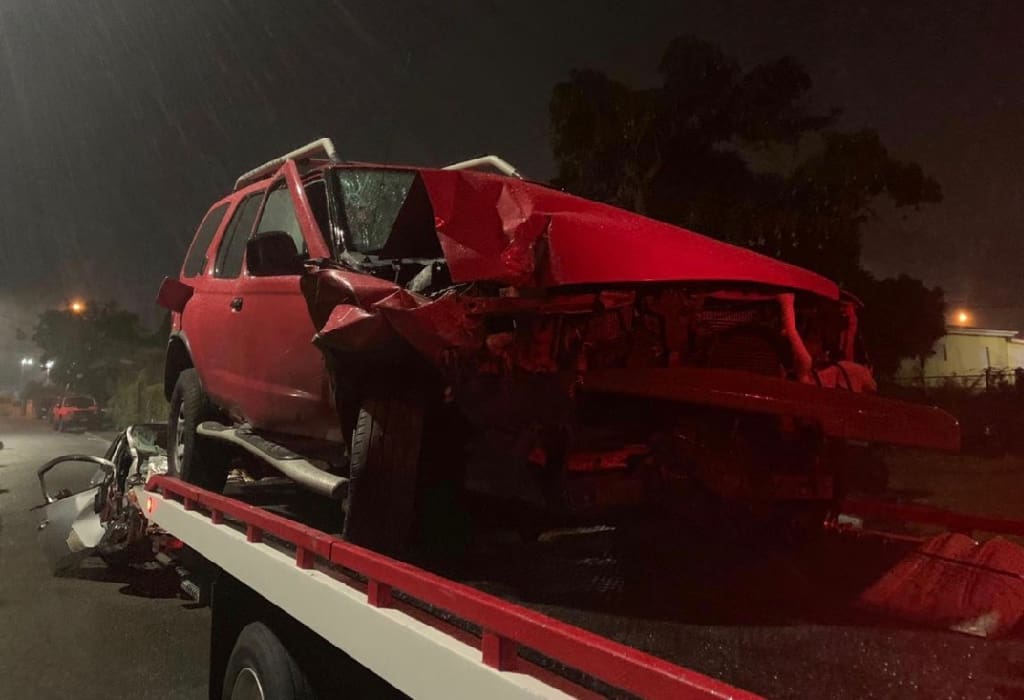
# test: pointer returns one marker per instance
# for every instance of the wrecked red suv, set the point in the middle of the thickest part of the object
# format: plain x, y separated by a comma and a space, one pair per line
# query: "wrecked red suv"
385, 334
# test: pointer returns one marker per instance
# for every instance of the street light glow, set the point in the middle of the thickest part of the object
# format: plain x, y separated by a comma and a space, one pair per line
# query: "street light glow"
77, 306
26, 362
962, 317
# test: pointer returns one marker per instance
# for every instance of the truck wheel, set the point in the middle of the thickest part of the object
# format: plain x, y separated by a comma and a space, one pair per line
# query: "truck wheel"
260, 668
191, 457
383, 473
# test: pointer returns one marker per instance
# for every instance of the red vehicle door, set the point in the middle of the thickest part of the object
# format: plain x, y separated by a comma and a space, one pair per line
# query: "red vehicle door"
286, 387
209, 321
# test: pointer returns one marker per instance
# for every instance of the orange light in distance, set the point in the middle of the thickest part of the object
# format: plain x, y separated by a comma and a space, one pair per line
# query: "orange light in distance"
962, 318
77, 306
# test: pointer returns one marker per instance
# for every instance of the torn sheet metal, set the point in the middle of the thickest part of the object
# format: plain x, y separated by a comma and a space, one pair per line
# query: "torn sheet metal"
517, 238
351, 328
356, 312
70, 526
522, 233
952, 581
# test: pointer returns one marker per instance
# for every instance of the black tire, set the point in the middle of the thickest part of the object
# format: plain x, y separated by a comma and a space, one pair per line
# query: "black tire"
381, 503
260, 656
203, 461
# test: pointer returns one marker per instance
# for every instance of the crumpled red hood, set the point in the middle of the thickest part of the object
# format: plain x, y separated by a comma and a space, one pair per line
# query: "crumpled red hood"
499, 228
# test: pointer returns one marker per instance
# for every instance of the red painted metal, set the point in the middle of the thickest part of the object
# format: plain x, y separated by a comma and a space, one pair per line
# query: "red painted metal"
927, 515
292, 392
378, 594
841, 414
207, 320
282, 380
499, 652
174, 294
489, 227
506, 625
252, 533
307, 222
283, 386
304, 559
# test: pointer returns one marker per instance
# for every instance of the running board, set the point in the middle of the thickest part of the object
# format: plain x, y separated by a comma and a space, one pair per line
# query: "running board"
291, 464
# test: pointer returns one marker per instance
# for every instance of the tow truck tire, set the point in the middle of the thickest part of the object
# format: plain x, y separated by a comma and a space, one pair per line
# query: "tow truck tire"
381, 503
197, 460
260, 668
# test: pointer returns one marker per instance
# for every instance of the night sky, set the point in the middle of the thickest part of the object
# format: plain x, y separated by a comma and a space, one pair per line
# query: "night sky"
120, 121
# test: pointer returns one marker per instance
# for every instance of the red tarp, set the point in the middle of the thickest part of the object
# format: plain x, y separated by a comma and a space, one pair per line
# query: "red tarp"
952, 581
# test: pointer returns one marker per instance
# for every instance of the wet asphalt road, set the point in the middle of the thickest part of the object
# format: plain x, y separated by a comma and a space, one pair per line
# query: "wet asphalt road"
89, 632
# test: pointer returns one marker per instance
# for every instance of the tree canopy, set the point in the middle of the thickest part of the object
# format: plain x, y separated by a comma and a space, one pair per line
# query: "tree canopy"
89, 350
901, 318
741, 155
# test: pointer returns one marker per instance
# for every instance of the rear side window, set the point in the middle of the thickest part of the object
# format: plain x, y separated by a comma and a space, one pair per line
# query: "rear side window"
195, 263
232, 245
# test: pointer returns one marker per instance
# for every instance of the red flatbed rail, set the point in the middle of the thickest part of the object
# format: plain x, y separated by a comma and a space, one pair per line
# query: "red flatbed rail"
505, 626
929, 515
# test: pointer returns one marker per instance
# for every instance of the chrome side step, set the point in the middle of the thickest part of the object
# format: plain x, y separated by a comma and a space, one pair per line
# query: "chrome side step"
291, 464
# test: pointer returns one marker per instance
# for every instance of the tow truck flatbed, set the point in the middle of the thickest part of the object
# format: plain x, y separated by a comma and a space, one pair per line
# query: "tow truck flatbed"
758, 624
365, 605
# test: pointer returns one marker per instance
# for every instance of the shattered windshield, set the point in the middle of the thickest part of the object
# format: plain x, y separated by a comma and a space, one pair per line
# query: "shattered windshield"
372, 200
148, 439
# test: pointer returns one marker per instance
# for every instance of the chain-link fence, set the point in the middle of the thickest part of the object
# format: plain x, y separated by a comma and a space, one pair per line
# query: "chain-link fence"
992, 379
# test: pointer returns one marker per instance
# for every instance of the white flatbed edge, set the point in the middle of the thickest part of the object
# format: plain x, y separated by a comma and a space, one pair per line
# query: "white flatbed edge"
414, 657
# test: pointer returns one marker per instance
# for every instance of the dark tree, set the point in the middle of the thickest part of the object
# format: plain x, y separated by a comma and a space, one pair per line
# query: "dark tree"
738, 155
91, 349
901, 318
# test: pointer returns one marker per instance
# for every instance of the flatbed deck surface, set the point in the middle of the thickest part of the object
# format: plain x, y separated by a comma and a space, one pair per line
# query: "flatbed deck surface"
778, 620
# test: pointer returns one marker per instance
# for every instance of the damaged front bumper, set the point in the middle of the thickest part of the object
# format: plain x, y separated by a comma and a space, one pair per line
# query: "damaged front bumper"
839, 414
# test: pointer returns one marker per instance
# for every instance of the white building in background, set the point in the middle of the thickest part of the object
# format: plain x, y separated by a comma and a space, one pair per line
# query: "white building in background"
971, 357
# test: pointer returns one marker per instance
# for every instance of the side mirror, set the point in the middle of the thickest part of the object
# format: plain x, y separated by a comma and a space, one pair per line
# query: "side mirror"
273, 253
174, 294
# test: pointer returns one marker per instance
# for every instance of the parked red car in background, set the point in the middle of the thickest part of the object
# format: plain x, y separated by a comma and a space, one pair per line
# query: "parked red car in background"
75, 412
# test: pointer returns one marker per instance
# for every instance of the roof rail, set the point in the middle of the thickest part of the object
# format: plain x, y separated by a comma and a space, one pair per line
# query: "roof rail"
324, 146
499, 164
